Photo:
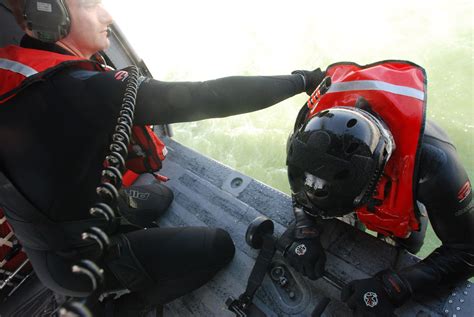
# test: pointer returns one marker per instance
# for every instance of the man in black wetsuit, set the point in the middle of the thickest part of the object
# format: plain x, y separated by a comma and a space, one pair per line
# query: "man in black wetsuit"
361, 145
54, 135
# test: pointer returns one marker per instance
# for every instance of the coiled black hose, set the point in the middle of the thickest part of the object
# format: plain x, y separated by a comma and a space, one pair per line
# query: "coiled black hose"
107, 192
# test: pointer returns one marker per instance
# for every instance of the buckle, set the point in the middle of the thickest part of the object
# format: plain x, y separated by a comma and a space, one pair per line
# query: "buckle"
239, 306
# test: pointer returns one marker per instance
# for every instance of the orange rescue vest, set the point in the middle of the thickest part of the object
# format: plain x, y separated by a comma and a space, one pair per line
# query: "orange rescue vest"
20, 67
396, 91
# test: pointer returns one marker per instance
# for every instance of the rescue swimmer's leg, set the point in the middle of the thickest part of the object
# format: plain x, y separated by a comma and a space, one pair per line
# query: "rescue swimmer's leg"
175, 260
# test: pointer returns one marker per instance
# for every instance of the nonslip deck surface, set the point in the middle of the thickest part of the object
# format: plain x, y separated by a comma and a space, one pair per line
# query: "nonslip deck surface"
208, 193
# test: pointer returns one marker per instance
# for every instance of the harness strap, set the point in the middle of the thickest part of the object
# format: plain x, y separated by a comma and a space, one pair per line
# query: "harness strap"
261, 266
243, 306
35, 230
32, 76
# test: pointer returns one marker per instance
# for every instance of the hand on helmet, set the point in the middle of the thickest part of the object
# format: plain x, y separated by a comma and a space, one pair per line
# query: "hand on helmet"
311, 79
376, 296
305, 255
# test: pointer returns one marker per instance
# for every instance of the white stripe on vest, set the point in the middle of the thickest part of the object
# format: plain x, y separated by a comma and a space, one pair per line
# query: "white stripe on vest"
16, 67
377, 85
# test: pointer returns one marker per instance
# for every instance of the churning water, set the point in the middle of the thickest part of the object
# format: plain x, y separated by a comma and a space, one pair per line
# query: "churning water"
201, 40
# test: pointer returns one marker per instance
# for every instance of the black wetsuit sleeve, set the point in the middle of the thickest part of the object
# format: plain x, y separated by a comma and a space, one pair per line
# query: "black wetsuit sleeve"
161, 102
85, 105
444, 188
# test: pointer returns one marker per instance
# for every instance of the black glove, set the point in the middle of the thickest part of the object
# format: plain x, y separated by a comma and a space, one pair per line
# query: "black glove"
377, 296
305, 255
311, 79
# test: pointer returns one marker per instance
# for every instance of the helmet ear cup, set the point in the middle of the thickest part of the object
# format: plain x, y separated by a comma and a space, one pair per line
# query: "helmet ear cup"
48, 20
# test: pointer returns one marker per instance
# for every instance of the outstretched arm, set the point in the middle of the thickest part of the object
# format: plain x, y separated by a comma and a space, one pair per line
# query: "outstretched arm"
170, 102
160, 102
445, 190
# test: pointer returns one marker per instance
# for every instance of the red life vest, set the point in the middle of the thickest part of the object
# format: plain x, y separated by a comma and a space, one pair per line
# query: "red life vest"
396, 91
20, 67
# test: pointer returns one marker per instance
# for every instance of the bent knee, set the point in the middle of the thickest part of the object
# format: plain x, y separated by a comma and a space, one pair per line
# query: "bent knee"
223, 248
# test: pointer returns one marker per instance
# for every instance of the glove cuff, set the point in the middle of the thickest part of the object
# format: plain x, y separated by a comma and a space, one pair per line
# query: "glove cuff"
286, 239
397, 288
305, 226
309, 232
303, 77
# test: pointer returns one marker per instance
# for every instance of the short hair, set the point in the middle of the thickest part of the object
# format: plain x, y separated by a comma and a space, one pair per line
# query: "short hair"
18, 7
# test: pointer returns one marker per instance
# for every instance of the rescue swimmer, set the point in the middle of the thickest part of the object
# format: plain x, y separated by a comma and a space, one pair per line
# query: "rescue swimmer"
361, 144
59, 104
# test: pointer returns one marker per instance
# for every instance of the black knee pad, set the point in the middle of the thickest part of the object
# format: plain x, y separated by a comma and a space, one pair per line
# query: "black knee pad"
223, 246
144, 204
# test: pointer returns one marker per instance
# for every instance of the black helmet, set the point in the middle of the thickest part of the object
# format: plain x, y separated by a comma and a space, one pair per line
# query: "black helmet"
48, 20
336, 158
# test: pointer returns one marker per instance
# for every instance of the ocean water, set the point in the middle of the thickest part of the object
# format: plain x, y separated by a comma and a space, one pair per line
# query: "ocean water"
197, 41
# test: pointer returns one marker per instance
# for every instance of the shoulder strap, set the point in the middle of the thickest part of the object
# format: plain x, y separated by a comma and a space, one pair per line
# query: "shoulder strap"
41, 76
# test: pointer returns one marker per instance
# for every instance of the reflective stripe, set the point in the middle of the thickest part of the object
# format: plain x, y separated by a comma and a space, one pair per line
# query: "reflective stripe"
377, 85
5, 241
17, 67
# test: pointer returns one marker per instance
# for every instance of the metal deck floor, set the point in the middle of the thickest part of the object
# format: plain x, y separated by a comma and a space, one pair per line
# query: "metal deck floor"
208, 193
